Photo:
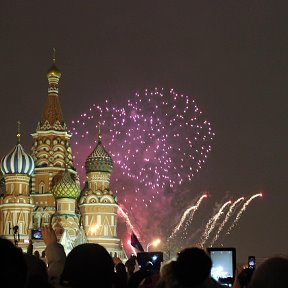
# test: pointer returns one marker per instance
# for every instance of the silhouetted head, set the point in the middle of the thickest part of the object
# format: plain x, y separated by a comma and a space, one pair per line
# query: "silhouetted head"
12, 265
88, 265
193, 267
273, 273
167, 277
130, 265
37, 254
245, 276
37, 275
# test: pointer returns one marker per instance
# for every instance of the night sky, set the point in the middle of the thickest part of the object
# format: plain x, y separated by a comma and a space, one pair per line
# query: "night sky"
230, 56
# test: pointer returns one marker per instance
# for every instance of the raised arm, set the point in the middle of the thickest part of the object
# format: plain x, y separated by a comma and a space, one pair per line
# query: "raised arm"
55, 255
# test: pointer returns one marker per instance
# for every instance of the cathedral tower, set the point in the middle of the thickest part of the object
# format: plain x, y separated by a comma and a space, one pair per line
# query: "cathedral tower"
51, 147
65, 192
16, 205
97, 204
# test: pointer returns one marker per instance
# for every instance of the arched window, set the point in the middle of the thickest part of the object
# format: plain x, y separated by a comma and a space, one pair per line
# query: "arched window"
42, 187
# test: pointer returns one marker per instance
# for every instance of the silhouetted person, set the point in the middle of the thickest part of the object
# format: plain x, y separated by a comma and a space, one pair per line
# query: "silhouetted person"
37, 275
30, 247
191, 269
12, 265
16, 234
137, 277
131, 265
121, 277
245, 276
88, 265
273, 273
37, 254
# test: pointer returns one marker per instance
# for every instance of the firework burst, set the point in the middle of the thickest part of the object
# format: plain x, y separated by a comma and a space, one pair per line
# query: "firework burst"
158, 140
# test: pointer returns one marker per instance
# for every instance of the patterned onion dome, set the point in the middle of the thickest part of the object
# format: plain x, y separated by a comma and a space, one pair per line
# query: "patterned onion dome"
17, 162
99, 160
66, 187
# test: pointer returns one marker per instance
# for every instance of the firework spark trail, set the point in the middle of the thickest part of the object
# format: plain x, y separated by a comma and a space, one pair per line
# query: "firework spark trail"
212, 222
187, 211
228, 215
132, 248
159, 139
242, 210
190, 219
125, 216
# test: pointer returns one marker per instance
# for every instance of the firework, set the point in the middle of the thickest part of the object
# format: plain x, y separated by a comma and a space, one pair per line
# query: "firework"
126, 217
212, 222
245, 205
158, 140
132, 248
185, 214
228, 215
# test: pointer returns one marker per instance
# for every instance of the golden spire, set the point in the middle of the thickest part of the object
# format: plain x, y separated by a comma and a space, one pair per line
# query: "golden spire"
54, 71
99, 133
18, 135
54, 56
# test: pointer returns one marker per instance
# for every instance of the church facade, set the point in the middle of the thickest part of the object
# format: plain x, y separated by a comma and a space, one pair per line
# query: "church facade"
42, 188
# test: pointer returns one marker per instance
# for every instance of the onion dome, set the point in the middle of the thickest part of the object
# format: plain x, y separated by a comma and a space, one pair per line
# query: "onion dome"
53, 72
66, 187
17, 161
99, 160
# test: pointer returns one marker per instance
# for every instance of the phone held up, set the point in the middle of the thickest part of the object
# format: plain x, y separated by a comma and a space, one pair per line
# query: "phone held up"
251, 262
223, 265
36, 234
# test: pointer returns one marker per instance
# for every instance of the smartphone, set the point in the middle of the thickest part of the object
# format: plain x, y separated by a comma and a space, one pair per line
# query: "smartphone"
251, 262
150, 260
36, 234
223, 265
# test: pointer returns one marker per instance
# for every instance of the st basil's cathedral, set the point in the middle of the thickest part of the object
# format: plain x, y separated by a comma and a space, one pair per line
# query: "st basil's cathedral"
42, 188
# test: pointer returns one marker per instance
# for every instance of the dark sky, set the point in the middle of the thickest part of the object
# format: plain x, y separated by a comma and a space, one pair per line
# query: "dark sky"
231, 56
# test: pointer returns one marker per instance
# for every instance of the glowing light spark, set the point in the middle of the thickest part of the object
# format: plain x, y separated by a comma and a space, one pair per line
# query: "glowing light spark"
125, 216
212, 222
132, 248
245, 205
228, 215
185, 214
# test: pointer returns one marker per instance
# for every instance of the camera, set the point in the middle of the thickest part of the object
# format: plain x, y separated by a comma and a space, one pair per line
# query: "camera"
251, 262
150, 260
223, 265
36, 234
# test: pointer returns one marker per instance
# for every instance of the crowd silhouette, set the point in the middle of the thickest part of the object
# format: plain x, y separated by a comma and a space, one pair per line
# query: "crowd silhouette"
90, 265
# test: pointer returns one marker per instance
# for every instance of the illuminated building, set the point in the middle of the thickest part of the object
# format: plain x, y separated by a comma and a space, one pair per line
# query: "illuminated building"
44, 189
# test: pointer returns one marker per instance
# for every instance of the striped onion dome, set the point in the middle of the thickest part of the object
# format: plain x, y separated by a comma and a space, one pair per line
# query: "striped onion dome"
99, 160
17, 162
66, 187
